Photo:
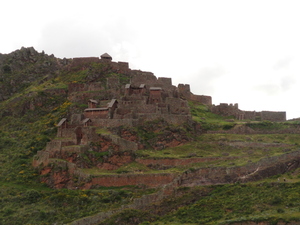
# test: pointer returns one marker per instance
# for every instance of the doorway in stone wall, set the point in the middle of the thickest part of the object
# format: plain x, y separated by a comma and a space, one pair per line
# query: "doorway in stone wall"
78, 132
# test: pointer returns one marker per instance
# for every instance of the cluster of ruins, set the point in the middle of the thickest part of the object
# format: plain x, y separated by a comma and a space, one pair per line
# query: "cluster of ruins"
145, 98
111, 103
233, 110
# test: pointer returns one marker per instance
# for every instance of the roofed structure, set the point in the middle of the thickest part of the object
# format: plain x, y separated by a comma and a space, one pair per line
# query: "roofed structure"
62, 121
106, 56
111, 103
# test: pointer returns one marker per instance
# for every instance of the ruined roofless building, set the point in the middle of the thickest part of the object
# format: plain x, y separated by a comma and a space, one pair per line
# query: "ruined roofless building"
145, 98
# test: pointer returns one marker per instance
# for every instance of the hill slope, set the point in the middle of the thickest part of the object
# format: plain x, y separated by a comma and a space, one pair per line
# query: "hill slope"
194, 172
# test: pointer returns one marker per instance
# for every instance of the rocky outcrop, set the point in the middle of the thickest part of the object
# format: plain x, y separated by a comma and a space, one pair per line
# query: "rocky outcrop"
21, 68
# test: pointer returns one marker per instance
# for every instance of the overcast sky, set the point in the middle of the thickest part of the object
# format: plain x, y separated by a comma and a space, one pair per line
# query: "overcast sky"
245, 52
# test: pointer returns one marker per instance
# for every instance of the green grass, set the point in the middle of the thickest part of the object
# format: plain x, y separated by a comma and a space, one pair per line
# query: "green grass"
41, 205
244, 147
102, 131
24, 130
130, 168
222, 204
241, 202
208, 120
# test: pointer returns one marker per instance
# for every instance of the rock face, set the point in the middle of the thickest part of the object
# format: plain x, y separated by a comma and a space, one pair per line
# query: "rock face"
21, 68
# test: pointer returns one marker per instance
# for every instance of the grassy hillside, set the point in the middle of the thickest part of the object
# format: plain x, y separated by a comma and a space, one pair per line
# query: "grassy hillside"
28, 115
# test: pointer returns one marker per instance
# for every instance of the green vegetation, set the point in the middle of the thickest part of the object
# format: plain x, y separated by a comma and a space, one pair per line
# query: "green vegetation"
34, 101
222, 204
209, 120
41, 205
237, 149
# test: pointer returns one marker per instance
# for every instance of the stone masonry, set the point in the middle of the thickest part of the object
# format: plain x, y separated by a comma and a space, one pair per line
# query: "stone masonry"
233, 110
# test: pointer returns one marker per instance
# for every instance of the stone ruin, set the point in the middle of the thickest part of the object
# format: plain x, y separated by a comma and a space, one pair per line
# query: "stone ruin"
233, 110
145, 98
110, 103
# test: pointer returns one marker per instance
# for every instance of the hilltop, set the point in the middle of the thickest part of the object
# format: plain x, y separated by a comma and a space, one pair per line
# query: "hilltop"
83, 131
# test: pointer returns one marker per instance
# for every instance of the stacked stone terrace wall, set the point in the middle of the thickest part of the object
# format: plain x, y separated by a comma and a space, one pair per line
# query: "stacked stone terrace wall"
129, 103
178, 106
66, 133
135, 108
184, 91
123, 143
53, 145
120, 113
96, 114
84, 60
179, 162
164, 81
89, 135
204, 176
41, 157
140, 77
254, 171
121, 67
203, 99
146, 109
251, 115
150, 180
112, 83
225, 109
273, 116
174, 119
115, 122
142, 117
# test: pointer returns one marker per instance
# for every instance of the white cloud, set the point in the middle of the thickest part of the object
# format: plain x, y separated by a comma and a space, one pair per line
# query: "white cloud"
236, 51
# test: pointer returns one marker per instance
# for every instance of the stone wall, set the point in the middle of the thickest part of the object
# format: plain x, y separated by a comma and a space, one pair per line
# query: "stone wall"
174, 119
150, 180
82, 61
253, 171
122, 143
251, 115
203, 99
121, 67
112, 83
66, 133
273, 116
179, 162
140, 77
41, 158
202, 176
178, 106
114, 122
225, 109
96, 114
164, 81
